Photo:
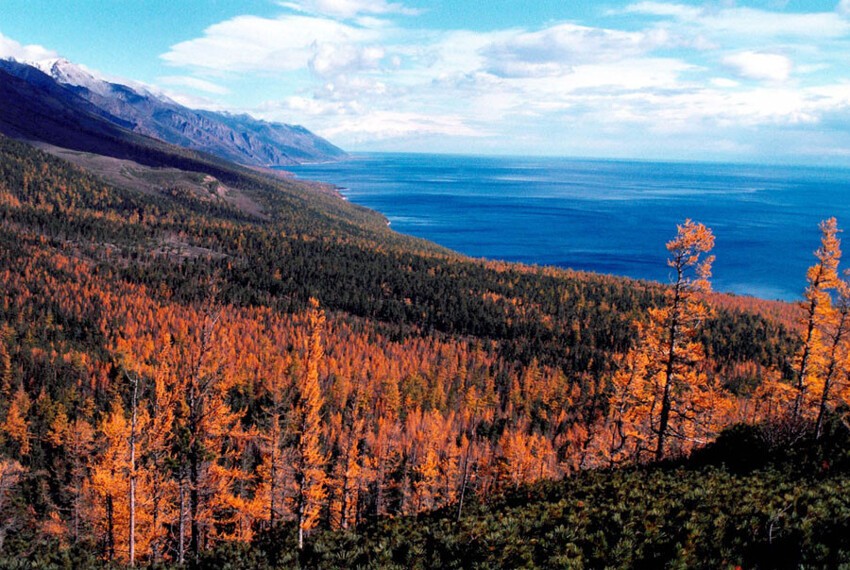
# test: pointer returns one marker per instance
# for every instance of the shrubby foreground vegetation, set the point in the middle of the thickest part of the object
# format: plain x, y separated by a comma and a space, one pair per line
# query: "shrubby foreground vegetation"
263, 374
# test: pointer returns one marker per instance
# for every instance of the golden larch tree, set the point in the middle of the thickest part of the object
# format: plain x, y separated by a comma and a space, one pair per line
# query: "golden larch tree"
837, 330
661, 393
822, 277
308, 458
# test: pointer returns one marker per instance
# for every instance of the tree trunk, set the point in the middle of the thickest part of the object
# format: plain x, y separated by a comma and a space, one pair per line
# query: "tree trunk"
110, 529
133, 474
181, 540
194, 476
664, 419
463, 480
837, 337
804, 362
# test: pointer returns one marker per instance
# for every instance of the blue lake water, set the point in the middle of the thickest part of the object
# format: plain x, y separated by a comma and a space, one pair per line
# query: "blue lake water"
604, 216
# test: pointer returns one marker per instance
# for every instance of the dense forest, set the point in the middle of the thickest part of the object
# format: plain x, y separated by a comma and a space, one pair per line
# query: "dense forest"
204, 361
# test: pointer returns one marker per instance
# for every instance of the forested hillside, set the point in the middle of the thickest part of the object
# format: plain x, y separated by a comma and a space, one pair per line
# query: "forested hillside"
215, 355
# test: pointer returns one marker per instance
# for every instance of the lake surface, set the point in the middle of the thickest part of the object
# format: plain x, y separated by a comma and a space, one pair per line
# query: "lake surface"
604, 216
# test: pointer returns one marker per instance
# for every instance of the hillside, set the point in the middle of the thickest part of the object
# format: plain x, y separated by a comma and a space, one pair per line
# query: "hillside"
243, 329
737, 504
74, 90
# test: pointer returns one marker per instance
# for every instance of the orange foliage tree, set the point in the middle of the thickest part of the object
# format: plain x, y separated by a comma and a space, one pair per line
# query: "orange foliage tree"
822, 277
309, 458
661, 393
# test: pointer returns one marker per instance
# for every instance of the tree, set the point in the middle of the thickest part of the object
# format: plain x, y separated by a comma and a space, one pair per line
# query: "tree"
76, 438
134, 426
156, 442
660, 392
822, 277
837, 323
16, 426
683, 314
309, 459
110, 483
345, 483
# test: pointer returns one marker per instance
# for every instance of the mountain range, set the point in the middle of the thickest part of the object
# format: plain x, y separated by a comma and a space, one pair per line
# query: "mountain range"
63, 104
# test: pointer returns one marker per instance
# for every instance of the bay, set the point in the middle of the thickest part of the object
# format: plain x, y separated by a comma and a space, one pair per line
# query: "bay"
604, 216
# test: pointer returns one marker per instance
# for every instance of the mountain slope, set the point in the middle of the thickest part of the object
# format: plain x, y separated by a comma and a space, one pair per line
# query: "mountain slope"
459, 376
785, 512
240, 139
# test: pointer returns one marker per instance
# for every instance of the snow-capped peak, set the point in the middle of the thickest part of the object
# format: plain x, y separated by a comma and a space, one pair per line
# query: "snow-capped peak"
69, 73
77, 75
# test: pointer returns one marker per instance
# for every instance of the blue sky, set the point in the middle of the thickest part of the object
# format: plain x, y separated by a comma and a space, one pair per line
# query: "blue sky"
760, 81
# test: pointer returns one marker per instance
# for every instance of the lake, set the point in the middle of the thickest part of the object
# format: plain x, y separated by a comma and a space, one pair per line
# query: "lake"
604, 216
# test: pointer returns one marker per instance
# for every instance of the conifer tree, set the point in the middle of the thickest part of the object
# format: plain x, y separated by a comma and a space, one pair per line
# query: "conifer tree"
110, 483
679, 320
271, 472
822, 277
16, 427
309, 459
837, 322
156, 450
661, 393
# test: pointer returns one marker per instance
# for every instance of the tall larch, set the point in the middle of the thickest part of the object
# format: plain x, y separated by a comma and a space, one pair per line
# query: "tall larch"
822, 277
309, 459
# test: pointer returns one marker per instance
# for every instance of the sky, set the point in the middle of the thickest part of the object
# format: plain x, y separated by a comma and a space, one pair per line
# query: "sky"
748, 81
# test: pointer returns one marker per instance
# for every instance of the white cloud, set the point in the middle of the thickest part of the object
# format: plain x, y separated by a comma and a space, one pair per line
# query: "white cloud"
194, 83
760, 66
329, 59
749, 23
9, 48
349, 8
679, 11
843, 7
250, 43
382, 125
724, 82
349, 72
554, 50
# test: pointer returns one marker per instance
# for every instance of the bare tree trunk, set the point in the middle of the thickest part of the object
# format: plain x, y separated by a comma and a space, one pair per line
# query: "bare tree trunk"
301, 524
110, 528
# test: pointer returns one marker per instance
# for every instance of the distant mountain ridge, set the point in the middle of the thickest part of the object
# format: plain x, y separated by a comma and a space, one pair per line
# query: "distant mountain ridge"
238, 138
